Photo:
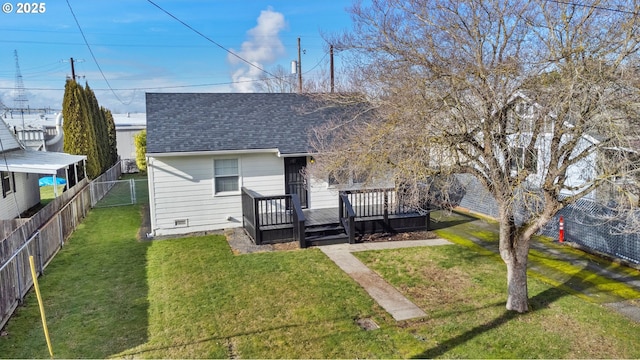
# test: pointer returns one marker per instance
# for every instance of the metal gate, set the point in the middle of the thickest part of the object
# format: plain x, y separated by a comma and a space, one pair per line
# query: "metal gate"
118, 193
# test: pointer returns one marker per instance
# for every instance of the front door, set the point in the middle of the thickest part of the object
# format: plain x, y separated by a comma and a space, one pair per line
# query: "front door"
294, 182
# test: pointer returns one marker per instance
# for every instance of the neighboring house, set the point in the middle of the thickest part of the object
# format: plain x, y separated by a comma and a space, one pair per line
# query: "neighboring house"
204, 149
41, 130
37, 129
20, 169
127, 126
578, 174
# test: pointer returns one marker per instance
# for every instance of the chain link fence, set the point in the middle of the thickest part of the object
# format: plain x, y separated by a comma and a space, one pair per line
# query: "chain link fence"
586, 223
119, 193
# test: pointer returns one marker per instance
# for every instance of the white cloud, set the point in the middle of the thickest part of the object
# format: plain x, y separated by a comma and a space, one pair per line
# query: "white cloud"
263, 47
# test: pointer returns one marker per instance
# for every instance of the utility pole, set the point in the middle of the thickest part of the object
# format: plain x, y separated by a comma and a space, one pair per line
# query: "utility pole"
331, 65
73, 70
299, 68
73, 62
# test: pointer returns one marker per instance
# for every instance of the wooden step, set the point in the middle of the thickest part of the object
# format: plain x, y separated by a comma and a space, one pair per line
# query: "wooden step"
327, 240
325, 229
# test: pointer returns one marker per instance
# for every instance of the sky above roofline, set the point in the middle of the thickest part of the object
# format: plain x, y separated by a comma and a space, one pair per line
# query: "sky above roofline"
159, 46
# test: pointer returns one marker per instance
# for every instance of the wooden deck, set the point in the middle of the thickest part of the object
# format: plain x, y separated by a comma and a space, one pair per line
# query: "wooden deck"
272, 219
316, 217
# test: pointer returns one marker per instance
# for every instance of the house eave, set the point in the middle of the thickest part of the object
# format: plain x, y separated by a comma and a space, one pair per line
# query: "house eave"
294, 155
213, 153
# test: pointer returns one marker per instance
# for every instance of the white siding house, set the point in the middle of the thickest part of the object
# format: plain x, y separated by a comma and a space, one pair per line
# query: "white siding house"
202, 149
128, 125
578, 175
19, 173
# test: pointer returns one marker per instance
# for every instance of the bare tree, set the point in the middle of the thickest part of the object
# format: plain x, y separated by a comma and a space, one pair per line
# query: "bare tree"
525, 95
281, 82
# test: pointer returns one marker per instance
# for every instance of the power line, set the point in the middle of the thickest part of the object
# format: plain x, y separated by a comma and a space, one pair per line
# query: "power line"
318, 64
168, 86
211, 40
95, 60
150, 88
622, 11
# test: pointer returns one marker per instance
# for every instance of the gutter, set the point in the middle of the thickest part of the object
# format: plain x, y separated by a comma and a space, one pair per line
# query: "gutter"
212, 152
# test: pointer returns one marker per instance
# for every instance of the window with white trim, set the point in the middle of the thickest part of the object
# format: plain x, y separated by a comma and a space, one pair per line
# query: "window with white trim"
523, 159
226, 176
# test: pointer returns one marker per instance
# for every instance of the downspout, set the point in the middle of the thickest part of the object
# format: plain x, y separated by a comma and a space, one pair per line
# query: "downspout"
59, 135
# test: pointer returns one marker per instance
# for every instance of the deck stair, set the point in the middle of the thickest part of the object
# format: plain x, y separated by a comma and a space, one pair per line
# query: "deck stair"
325, 234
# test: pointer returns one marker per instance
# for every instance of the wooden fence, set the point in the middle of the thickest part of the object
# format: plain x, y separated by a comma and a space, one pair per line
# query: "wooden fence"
42, 236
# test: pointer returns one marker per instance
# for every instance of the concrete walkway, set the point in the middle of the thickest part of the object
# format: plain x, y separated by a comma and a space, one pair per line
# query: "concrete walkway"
382, 292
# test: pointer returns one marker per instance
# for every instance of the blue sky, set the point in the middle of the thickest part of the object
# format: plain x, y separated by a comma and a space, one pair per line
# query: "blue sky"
142, 49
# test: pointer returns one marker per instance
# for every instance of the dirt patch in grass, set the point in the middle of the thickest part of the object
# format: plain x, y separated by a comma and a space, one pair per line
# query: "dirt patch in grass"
145, 226
292, 245
386, 236
440, 287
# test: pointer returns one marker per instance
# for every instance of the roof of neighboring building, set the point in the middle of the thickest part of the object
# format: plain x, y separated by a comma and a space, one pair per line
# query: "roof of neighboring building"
38, 162
130, 119
36, 119
15, 158
200, 122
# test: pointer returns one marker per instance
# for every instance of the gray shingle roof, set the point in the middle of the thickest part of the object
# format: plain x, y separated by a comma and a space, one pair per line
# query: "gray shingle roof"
191, 122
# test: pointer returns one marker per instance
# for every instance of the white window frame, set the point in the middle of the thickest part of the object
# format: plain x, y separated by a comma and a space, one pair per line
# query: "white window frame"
215, 176
521, 159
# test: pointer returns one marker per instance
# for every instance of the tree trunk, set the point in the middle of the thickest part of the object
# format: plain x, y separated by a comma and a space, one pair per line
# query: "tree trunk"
514, 250
518, 295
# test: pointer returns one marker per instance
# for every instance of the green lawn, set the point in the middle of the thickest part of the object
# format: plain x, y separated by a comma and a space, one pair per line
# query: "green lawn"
109, 295
46, 194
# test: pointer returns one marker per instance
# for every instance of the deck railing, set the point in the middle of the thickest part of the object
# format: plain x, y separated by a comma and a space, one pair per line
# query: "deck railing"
249, 217
347, 216
259, 212
298, 221
377, 202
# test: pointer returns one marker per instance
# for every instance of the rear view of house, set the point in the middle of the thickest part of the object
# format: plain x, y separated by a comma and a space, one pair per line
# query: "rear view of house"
205, 150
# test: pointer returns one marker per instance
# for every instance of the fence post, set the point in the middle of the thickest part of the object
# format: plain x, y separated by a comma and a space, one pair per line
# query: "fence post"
132, 184
91, 188
19, 283
61, 230
39, 247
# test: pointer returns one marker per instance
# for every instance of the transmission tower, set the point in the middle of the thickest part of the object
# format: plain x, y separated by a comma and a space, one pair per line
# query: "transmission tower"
20, 101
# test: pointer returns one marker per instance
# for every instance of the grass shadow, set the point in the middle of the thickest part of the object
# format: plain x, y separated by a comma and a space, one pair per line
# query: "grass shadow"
536, 303
444, 220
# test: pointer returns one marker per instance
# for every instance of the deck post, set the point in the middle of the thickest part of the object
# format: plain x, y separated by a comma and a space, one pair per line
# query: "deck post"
386, 207
298, 221
352, 230
256, 219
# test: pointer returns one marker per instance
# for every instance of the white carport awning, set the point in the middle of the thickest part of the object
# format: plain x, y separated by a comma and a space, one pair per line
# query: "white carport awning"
37, 162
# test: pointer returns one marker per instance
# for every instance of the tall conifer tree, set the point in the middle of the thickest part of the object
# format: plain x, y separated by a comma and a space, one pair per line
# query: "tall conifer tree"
79, 132
111, 132
96, 116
